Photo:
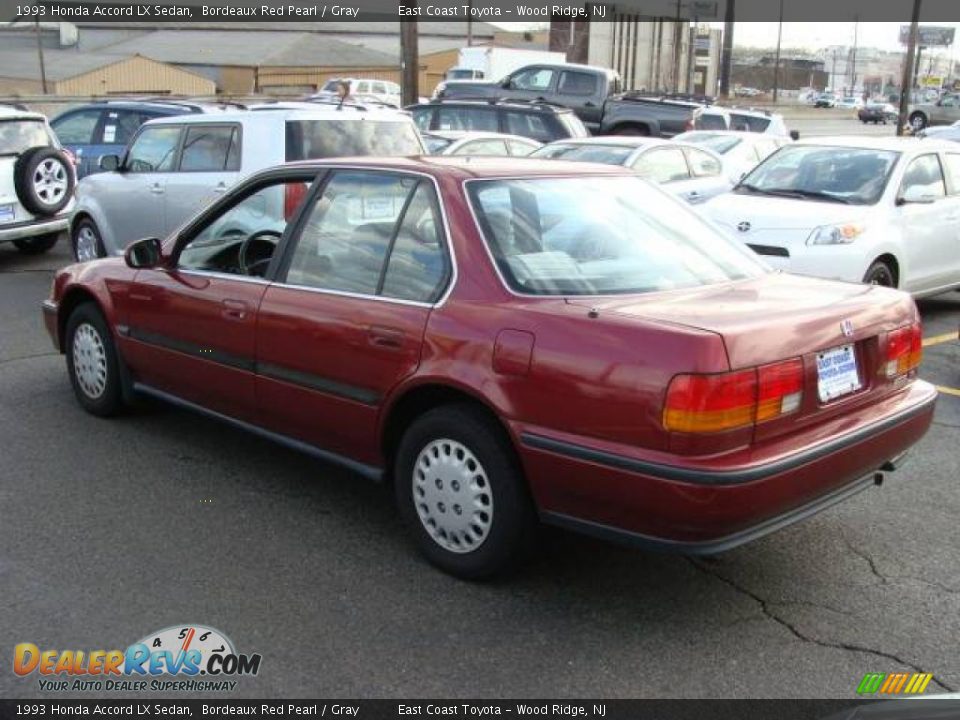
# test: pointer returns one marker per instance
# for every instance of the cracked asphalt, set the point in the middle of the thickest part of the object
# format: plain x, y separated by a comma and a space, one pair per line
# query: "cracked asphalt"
111, 529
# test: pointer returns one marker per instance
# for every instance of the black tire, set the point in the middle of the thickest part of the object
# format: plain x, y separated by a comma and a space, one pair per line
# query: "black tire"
44, 180
633, 130
87, 319
880, 273
498, 482
918, 121
81, 226
37, 245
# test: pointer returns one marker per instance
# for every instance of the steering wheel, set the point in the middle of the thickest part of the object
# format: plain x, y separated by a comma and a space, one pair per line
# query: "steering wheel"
270, 236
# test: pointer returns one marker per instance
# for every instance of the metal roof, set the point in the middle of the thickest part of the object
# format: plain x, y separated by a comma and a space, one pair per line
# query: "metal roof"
59, 64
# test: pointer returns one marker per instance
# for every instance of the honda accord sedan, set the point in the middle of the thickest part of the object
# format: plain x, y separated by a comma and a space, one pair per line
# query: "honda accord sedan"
505, 342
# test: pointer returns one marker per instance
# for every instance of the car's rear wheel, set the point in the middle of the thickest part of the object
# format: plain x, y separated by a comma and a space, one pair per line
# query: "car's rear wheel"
86, 241
461, 492
92, 361
633, 130
880, 273
918, 121
37, 245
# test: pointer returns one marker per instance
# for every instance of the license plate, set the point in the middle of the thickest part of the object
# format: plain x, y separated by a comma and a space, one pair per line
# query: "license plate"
837, 373
6, 213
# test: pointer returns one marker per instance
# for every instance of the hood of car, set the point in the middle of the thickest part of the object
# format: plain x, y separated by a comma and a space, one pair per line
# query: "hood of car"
742, 215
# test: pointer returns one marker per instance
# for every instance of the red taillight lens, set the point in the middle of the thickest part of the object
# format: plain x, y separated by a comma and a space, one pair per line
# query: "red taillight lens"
294, 193
691, 125
904, 350
779, 389
711, 403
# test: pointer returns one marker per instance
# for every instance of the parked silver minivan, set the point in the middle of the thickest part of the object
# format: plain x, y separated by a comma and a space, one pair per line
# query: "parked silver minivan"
175, 166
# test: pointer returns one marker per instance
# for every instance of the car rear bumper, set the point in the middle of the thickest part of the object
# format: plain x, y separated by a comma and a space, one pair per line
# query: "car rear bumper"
32, 228
710, 506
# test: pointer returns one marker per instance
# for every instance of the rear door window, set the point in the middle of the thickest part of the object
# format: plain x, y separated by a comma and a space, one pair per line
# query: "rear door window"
531, 125
210, 148
78, 128
467, 118
577, 83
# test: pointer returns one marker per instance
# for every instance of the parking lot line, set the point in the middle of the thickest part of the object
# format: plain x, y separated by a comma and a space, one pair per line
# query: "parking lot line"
938, 339
948, 390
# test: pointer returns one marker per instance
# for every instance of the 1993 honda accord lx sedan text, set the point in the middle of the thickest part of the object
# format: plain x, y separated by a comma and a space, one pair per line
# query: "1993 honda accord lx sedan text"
505, 341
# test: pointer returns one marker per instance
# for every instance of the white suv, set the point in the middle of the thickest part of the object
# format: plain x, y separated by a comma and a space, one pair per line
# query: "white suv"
37, 179
174, 166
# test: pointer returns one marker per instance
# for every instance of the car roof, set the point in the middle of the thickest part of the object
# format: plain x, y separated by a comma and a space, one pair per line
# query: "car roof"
631, 141
9, 112
466, 168
287, 113
866, 142
494, 103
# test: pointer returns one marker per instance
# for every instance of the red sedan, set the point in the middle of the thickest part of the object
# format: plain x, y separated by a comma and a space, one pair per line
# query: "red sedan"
507, 341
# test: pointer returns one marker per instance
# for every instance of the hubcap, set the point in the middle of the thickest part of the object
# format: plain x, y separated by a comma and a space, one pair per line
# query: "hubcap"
50, 181
452, 495
86, 244
89, 361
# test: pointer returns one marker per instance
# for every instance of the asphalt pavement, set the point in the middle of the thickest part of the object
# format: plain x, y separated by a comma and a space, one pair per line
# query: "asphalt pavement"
111, 529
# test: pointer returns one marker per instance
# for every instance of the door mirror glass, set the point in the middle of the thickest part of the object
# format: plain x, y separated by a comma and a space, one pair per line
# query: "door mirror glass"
109, 162
143, 254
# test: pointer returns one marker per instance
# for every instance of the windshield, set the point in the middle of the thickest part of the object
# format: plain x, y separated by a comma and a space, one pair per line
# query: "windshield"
16, 136
856, 176
600, 235
312, 139
721, 144
607, 154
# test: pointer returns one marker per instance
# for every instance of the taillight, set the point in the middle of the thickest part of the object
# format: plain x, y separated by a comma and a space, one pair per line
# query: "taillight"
690, 125
714, 403
779, 389
904, 350
711, 403
294, 193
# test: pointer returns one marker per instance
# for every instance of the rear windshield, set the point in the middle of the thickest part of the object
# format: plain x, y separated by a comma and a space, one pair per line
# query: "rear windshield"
312, 139
17, 136
710, 121
748, 122
600, 235
607, 154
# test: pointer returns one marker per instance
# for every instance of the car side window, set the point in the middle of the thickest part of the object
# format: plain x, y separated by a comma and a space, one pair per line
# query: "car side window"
949, 101
77, 128
154, 149
953, 171
361, 219
423, 118
577, 83
703, 164
520, 149
210, 148
379, 88
924, 176
241, 240
482, 147
120, 127
467, 118
536, 79
528, 124
663, 165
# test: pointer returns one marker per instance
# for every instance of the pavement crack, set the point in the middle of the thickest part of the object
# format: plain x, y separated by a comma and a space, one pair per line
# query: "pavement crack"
765, 608
865, 557
28, 357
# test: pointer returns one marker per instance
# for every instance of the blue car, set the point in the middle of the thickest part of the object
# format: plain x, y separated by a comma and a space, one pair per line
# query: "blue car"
105, 128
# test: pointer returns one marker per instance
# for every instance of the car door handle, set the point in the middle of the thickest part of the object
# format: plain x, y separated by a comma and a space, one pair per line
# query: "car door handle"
386, 337
156, 189
234, 309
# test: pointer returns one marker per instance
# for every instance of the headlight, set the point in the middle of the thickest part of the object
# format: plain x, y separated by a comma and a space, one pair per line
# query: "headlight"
835, 234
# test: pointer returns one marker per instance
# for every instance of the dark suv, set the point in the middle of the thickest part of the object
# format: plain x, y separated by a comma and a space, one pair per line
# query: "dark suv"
105, 128
540, 121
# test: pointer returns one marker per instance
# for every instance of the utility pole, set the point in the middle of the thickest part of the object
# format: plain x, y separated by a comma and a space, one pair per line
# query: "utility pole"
409, 58
776, 67
853, 66
907, 80
43, 68
676, 51
726, 59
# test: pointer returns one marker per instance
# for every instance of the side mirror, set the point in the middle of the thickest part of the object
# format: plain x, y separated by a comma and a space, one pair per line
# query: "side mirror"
108, 162
794, 135
506, 83
916, 195
143, 254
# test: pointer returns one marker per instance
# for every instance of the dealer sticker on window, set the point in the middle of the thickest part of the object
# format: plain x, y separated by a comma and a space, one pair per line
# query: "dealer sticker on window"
837, 373
7, 213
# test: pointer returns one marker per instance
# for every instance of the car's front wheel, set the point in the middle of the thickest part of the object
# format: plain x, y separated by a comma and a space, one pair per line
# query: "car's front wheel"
461, 492
36, 245
92, 361
879, 273
86, 241
918, 121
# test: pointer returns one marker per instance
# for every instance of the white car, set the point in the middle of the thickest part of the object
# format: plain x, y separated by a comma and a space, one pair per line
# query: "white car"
740, 151
382, 90
850, 103
174, 166
878, 210
462, 142
37, 180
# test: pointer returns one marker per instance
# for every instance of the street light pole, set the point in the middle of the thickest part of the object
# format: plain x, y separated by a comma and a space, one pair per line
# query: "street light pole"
906, 83
776, 66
